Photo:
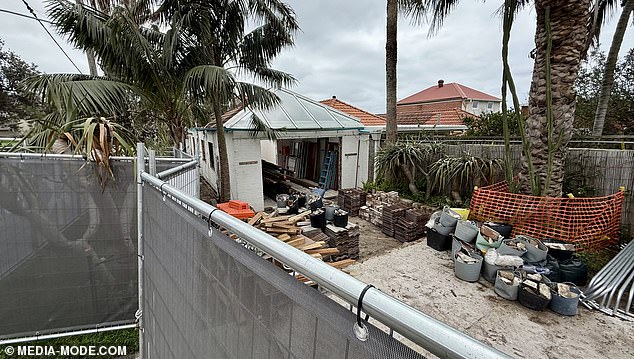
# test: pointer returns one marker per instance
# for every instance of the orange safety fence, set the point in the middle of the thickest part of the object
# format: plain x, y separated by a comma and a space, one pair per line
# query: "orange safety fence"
591, 223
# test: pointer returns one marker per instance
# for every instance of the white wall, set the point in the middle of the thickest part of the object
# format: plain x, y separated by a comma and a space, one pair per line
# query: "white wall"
269, 150
483, 107
246, 172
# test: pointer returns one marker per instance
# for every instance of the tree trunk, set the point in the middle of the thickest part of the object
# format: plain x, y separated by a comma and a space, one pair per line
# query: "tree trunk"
92, 64
610, 66
569, 46
411, 180
225, 184
390, 70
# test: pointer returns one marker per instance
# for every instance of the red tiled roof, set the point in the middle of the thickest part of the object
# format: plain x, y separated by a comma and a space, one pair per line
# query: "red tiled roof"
226, 116
447, 92
450, 114
365, 117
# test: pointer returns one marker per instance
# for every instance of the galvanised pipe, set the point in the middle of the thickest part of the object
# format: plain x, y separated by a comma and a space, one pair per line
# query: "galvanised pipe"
177, 169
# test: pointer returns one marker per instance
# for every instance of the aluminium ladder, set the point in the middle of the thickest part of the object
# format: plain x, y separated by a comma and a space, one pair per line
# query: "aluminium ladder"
326, 178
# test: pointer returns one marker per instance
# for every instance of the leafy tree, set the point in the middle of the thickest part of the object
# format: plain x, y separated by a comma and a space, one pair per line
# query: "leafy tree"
491, 124
16, 105
178, 64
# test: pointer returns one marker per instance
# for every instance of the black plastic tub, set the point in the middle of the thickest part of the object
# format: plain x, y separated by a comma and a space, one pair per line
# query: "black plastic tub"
502, 228
340, 219
318, 219
438, 241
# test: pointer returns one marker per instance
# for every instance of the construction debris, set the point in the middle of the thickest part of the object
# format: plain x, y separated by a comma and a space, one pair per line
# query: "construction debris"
351, 199
345, 239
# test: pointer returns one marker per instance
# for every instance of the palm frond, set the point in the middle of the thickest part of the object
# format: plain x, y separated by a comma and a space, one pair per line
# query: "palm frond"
256, 97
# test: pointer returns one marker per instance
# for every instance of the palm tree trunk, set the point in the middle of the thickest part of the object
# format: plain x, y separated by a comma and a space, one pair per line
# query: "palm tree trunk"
610, 66
225, 184
569, 46
390, 70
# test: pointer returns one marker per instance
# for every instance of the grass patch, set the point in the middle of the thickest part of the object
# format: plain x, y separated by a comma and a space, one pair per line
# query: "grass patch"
126, 337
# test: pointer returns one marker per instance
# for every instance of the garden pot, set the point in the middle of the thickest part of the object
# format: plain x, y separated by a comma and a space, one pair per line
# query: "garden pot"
534, 254
444, 230
508, 247
506, 290
565, 305
340, 218
330, 212
528, 298
466, 231
502, 228
438, 241
448, 217
469, 272
573, 270
318, 219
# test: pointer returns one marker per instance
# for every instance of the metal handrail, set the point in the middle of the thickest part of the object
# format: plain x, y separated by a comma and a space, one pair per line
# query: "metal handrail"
81, 157
433, 335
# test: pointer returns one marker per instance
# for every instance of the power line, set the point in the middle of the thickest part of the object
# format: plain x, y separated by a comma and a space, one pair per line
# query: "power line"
49, 34
23, 15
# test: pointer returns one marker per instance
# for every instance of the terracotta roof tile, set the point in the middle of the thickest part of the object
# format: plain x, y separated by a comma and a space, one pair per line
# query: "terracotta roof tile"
447, 91
448, 116
365, 117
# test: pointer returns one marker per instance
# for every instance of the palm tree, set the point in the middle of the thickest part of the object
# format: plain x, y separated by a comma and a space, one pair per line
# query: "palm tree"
561, 42
180, 65
608, 76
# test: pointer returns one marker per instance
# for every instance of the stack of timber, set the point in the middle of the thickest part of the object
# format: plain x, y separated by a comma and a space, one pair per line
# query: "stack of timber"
391, 215
346, 240
351, 199
295, 230
274, 179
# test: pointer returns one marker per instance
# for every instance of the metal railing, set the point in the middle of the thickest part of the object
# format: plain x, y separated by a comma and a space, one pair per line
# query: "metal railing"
433, 335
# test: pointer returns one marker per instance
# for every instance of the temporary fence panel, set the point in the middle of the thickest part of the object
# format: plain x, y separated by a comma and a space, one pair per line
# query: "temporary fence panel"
588, 223
68, 246
206, 296
68, 243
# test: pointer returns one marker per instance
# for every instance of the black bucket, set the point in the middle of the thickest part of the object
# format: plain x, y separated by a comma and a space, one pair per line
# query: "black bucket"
438, 241
530, 300
573, 270
340, 219
316, 205
318, 219
559, 254
301, 200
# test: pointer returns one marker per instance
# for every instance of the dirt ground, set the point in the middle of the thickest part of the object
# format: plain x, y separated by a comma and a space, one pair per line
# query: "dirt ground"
423, 278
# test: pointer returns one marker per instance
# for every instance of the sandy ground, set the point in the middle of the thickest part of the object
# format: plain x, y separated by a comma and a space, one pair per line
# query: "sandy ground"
423, 278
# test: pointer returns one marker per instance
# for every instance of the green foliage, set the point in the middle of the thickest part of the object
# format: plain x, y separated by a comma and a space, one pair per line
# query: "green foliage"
127, 337
16, 104
491, 124
620, 115
464, 172
595, 260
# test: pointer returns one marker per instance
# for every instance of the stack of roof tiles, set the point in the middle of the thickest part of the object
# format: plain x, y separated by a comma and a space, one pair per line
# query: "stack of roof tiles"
391, 215
346, 240
351, 199
412, 226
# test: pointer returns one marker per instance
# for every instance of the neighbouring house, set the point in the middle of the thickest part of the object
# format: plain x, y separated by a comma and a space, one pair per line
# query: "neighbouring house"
442, 107
306, 133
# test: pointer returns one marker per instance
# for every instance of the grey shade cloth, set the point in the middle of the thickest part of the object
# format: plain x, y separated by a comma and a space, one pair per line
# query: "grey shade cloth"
209, 297
68, 246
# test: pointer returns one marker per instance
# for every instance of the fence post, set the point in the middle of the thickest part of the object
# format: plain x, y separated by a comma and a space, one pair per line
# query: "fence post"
140, 168
152, 162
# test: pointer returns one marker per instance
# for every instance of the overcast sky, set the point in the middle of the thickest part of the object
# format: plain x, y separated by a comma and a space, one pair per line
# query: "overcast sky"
341, 49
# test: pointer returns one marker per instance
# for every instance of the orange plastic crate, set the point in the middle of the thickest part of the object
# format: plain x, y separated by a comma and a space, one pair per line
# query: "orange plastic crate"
238, 209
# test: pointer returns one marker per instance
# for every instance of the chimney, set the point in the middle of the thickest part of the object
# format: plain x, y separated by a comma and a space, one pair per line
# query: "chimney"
334, 97
441, 83
438, 119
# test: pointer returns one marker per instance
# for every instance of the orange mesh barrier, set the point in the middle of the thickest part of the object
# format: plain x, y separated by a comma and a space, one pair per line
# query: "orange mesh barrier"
588, 223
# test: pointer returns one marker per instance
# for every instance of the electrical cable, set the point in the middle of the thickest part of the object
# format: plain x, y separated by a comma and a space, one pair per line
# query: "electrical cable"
24, 15
49, 34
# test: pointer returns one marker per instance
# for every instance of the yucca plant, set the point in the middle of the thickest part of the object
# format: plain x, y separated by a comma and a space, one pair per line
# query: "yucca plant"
461, 173
406, 158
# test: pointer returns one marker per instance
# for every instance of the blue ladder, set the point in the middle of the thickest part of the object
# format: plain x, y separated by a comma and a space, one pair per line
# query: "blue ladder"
326, 179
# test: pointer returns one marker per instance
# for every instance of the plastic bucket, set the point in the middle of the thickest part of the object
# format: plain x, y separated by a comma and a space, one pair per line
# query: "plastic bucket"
531, 300
316, 204
483, 244
438, 241
318, 219
282, 200
563, 305
456, 244
490, 271
463, 212
340, 219
534, 254
444, 230
505, 249
466, 231
469, 272
502, 228
449, 218
330, 212
505, 290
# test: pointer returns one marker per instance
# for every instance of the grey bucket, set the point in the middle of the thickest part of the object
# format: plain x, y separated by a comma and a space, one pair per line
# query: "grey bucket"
533, 254
507, 250
563, 305
449, 218
444, 230
466, 231
466, 271
330, 212
455, 246
282, 200
504, 290
490, 271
